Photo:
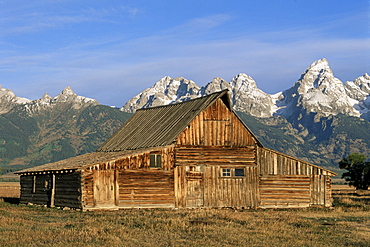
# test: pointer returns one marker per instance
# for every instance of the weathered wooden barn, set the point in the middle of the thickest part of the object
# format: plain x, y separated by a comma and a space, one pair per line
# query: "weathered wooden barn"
192, 154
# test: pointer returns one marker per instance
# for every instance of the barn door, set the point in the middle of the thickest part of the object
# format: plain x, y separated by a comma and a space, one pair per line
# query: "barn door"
105, 188
194, 188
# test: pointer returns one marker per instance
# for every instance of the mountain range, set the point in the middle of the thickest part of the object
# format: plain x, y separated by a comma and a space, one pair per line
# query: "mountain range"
319, 119
317, 91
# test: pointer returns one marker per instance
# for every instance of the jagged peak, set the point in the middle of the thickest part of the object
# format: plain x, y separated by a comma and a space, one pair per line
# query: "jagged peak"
7, 91
320, 65
167, 82
46, 96
243, 82
68, 91
218, 80
242, 76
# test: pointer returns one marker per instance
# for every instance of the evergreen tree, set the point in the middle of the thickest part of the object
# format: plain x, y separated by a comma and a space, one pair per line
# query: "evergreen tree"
358, 170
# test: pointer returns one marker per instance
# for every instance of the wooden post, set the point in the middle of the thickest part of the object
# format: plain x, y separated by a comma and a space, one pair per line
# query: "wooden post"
52, 197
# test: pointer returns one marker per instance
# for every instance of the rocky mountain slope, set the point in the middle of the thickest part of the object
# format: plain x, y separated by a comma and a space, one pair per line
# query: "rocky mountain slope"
49, 129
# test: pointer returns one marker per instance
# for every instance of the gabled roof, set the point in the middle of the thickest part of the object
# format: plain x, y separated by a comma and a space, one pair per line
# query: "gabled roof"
160, 126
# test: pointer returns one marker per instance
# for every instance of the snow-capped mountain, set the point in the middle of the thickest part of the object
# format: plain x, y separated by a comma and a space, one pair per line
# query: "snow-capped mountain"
244, 93
66, 96
316, 92
165, 91
8, 100
359, 91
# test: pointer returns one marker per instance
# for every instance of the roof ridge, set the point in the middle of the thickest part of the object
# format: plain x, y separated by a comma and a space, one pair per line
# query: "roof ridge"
185, 101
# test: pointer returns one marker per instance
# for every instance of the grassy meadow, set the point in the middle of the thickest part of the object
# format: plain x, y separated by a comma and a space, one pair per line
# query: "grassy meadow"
346, 224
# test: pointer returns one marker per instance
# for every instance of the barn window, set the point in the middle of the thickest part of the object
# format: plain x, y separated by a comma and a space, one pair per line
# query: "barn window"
232, 172
226, 172
239, 172
155, 160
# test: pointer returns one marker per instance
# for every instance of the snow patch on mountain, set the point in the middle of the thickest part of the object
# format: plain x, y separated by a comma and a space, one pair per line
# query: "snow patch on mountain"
165, 91
359, 92
317, 91
8, 100
66, 96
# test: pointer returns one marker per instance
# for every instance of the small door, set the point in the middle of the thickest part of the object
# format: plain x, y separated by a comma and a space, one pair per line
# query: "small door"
194, 189
105, 188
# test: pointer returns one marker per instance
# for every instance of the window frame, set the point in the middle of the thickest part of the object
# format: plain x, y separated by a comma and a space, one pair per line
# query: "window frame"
231, 173
157, 158
226, 172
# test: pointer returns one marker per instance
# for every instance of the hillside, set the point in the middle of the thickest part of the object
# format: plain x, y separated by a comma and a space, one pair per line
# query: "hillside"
28, 140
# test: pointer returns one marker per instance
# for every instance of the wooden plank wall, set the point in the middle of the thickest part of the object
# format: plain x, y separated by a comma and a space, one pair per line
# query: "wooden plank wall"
105, 187
129, 167
231, 192
278, 166
146, 189
216, 126
68, 190
41, 194
285, 191
321, 190
214, 156
276, 163
198, 171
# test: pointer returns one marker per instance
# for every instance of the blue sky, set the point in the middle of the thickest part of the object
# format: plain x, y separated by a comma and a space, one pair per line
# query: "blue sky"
110, 50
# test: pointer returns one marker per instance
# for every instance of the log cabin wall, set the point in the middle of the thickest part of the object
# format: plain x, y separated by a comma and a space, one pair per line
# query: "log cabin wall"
130, 182
36, 188
216, 140
68, 190
57, 188
290, 182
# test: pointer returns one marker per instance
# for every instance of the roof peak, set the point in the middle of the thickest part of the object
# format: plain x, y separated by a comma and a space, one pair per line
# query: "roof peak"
221, 93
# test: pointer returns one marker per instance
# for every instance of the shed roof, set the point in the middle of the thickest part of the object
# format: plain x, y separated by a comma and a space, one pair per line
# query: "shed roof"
160, 126
78, 162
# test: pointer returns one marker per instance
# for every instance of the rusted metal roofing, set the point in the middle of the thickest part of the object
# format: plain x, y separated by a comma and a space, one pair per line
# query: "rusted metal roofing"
159, 126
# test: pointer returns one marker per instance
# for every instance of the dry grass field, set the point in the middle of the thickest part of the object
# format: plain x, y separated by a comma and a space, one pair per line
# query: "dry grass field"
9, 189
346, 224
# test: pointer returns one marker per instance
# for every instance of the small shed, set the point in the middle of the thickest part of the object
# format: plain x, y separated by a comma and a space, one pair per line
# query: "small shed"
197, 153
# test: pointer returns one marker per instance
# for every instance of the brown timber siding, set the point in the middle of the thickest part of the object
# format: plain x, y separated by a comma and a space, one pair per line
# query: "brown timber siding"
285, 191
149, 188
67, 190
279, 167
198, 181
106, 184
216, 126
